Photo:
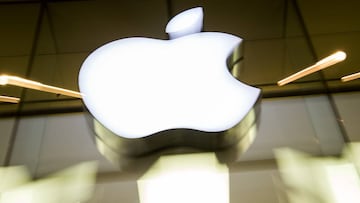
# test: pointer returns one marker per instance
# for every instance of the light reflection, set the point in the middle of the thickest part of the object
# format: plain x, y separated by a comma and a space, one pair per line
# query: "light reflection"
186, 178
74, 184
311, 179
13, 176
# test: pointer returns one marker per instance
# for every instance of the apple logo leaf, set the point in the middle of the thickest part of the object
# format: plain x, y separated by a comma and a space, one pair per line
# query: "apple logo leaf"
185, 23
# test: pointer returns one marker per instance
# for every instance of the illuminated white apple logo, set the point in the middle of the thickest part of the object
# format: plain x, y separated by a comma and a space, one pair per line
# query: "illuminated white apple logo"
137, 86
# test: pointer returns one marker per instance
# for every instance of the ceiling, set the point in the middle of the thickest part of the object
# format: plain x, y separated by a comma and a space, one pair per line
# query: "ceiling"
48, 40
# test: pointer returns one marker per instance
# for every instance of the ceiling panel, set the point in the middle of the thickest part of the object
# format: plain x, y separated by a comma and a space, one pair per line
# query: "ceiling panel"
330, 16
292, 24
46, 42
249, 20
18, 23
263, 61
82, 26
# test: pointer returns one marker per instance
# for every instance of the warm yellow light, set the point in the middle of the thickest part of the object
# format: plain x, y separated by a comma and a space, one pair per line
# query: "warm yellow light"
75, 184
321, 179
12, 177
344, 182
190, 178
21, 82
323, 63
332, 59
14, 100
350, 77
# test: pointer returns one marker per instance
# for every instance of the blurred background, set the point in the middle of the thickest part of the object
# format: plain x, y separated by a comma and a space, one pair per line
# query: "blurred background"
48, 40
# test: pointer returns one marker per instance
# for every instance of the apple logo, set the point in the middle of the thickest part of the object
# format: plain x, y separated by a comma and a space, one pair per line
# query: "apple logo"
151, 93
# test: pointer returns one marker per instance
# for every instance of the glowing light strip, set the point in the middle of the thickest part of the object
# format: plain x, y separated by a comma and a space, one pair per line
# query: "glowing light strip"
21, 82
350, 77
324, 63
14, 100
